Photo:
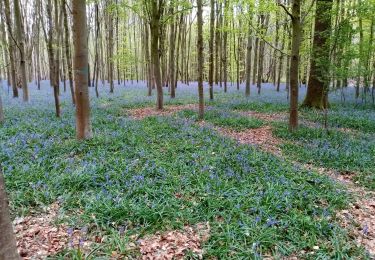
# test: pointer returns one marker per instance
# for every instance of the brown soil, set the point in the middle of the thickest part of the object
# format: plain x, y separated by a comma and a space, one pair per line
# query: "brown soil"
141, 113
175, 244
261, 137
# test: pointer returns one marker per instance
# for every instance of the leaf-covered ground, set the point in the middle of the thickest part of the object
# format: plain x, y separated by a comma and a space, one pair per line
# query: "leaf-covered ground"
153, 176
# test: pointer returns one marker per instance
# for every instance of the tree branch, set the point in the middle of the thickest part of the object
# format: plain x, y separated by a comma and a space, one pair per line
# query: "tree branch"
286, 10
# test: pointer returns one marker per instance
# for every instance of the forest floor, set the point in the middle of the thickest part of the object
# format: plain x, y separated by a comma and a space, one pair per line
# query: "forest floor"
153, 184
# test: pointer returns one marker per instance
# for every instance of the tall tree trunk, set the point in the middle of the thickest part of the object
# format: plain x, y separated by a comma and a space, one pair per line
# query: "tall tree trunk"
225, 47
1, 106
177, 71
217, 42
110, 46
51, 59
4, 42
67, 51
200, 59
211, 65
8, 247
148, 61
156, 11
96, 67
294, 64
274, 66
264, 24
287, 70
37, 47
10, 48
360, 60
248, 62
255, 66
281, 59
21, 48
80, 66
57, 43
317, 89
172, 39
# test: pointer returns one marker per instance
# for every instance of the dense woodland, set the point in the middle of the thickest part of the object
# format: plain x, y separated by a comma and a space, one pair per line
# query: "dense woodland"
222, 129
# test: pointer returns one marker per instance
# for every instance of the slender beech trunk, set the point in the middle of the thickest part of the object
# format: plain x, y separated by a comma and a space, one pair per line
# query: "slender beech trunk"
97, 30
281, 59
217, 43
200, 59
225, 47
294, 64
239, 54
264, 23
177, 71
360, 60
1, 105
51, 60
21, 48
287, 71
274, 66
156, 12
248, 62
188, 54
37, 47
80, 66
211, 65
110, 46
255, 66
11, 48
172, 40
148, 61
3, 38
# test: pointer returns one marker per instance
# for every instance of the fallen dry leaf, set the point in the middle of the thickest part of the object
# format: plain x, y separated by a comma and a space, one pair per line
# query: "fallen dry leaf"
37, 236
141, 113
175, 244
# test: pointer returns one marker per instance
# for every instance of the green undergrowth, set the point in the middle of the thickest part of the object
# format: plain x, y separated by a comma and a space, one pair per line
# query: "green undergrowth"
250, 105
223, 118
352, 154
139, 177
360, 120
161, 173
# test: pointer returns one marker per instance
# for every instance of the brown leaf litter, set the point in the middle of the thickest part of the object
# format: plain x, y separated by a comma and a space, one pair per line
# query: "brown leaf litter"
175, 244
266, 116
261, 137
141, 113
37, 236
359, 217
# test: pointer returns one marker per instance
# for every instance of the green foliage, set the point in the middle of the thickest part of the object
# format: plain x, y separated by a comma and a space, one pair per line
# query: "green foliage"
225, 119
361, 120
346, 153
130, 172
